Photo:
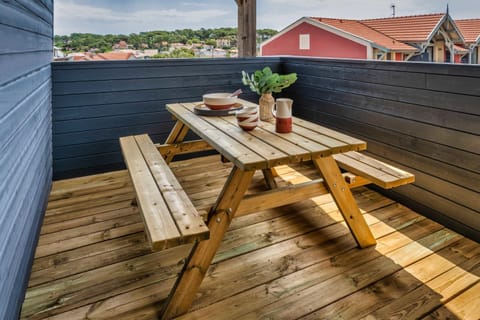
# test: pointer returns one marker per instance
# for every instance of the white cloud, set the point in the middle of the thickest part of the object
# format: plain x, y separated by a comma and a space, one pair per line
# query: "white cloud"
145, 15
67, 10
72, 17
192, 16
278, 14
297, 4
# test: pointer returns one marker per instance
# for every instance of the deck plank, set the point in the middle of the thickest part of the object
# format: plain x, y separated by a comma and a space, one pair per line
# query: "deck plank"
296, 261
339, 254
396, 286
94, 256
464, 306
432, 294
351, 280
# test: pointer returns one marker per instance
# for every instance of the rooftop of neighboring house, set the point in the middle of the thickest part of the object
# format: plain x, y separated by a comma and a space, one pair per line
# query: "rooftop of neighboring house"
361, 30
470, 29
417, 28
121, 45
103, 56
459, 49
407, 29
403, 33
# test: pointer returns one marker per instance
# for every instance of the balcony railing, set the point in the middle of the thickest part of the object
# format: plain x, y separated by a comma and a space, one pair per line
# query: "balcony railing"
422, 117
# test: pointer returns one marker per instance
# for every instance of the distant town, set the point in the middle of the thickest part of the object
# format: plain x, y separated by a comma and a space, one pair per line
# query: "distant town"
435, 37
185, 43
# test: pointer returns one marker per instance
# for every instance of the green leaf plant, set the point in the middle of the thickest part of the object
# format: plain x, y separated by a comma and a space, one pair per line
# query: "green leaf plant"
265, 81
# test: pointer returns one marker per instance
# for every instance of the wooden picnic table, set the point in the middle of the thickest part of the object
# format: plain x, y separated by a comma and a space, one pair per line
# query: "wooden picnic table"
260, 149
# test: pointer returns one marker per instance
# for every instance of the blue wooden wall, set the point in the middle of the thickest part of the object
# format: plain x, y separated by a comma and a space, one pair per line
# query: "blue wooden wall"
95, 103
25, 140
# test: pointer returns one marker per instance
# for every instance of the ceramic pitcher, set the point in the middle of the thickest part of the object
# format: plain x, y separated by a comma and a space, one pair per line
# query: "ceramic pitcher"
282, 111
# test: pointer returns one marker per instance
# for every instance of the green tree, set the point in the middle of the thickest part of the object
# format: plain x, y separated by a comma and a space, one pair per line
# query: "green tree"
177, 53
211, 42
182, 53
154, 39
135, 40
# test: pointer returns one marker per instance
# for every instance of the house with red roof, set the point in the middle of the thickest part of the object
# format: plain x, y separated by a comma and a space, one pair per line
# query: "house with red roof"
431, 37
122, 45
89, 56
470, 29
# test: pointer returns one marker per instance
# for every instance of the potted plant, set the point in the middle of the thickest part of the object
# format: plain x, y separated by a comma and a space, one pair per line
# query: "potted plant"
264, 82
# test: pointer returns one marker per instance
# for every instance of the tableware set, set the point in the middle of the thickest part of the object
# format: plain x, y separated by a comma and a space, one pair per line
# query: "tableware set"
247, 118
223, 104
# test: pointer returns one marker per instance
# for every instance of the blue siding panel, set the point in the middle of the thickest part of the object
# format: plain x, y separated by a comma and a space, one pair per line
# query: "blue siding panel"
25, 141
30, 63
25, 225
24, 111
23, 145
15, 15
37, 9
24, 41
14, 92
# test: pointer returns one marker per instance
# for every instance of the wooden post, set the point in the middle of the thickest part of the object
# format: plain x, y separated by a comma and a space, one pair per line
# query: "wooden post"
247, 28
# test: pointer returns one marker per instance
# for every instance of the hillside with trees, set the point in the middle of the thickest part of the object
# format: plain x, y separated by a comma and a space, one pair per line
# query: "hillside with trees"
82, 42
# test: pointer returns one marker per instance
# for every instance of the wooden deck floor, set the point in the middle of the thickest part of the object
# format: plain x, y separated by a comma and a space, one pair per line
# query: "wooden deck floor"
294, 262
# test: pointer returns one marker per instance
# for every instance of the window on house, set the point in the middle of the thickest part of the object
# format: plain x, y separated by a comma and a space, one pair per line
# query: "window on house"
429, 55
304, 42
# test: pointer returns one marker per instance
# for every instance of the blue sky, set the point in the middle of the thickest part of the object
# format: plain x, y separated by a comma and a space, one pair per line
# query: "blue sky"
133, 16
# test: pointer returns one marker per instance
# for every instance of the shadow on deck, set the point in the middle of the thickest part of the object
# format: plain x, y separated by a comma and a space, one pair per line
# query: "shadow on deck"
297, 261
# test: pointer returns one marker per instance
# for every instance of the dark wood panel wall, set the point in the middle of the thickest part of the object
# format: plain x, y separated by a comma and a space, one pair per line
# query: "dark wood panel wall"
419, 116
94, 103
25, 141
422, 117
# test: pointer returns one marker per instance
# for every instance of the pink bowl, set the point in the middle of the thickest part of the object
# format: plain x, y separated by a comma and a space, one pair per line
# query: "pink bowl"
219, 101
248, 128
247, 118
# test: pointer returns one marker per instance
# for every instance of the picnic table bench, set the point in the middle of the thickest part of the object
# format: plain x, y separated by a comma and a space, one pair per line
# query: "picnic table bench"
365, 170
169, 216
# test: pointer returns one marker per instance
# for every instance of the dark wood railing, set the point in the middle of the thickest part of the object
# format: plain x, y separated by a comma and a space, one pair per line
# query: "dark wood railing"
421, 116
94, 103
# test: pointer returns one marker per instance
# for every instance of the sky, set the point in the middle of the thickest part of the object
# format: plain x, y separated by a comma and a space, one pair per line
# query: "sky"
134, 16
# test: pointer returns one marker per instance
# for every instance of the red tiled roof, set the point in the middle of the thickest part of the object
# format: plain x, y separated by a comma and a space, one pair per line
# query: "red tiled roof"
122, 45
407, 29
115, 55
87, 56
78, 58
470, 29
459, 49
103, 56
361, 30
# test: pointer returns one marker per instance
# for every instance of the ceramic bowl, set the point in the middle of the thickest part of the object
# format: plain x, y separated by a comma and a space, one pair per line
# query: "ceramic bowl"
247, 118
219, 101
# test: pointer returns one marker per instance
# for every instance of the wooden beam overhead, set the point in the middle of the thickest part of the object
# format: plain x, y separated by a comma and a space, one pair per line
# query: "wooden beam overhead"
247, 28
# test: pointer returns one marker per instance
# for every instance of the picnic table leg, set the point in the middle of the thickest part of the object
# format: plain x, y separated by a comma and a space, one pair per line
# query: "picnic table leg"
178, 133
269, 175
197, 264
345, 201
